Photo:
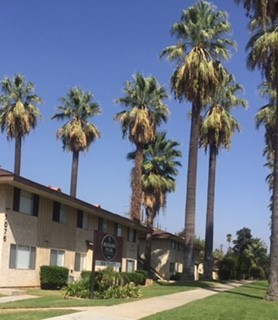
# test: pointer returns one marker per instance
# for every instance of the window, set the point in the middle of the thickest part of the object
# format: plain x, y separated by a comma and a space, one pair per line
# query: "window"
80, 261
102, 225
59, 212
22, 257
82, 219
57, 258
172, 267
173, 244
130, 265
117, 230
131, 235
26, 202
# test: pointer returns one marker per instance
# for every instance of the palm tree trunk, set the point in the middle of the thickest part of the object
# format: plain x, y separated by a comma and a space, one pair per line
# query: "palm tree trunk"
74, 173
190, 206
208, 265
136, 196
148, 247
17, 155
272, 290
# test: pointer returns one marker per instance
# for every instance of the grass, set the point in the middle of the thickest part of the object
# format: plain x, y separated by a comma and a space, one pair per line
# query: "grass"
55, 299
244, 303
34, 315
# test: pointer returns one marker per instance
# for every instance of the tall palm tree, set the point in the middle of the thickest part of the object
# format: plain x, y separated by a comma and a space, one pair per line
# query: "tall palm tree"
201, 45
77, 134
18, 112
260, 10
217, 130
263, 55
144, 111
159, 170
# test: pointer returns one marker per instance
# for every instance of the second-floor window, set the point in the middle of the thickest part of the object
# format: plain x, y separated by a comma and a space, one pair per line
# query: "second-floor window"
117, 230
102, 225
131, 235
26, 202
82, 219
59, 212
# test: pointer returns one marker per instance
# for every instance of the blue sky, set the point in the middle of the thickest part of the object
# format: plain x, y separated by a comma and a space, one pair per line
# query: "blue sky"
98, 45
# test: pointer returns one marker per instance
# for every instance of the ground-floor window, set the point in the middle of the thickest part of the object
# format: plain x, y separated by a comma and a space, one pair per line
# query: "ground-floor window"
22, 257
172, 267
80, 261
130, 265
57, 258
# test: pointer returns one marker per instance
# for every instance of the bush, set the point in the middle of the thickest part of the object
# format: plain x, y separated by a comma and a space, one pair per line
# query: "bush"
78, 289
130, 290
138, 278
227, 268
53, 277
86, 275
257, 272
176, 276
106, 278
108, 284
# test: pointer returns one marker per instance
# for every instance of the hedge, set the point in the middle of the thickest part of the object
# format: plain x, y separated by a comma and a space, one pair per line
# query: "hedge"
53, 277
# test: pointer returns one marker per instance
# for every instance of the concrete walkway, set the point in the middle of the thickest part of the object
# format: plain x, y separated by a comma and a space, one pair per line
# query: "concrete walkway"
141, 308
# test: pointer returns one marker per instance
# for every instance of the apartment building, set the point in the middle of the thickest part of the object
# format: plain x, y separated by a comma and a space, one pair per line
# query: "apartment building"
41, 225
167, 255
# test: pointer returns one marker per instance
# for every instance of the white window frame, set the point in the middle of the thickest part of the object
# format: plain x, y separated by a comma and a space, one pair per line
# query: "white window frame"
80, 262
130, 265
22, 257
26, 202
57, 258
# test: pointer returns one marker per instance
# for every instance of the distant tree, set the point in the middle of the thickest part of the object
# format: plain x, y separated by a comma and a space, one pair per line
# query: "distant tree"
244, 238
144, 111
229, 240
201, 45
218, 254
257, 252
18, 112
77, 134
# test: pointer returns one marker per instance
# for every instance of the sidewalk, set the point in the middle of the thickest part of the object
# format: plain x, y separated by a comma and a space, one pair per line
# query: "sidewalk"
143, 308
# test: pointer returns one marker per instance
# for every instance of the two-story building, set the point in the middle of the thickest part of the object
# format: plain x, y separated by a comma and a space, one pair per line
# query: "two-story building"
40, 225
167, 255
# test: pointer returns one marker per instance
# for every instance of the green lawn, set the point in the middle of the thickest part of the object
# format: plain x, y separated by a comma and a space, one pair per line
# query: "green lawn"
34, 315
243, 303
55, 299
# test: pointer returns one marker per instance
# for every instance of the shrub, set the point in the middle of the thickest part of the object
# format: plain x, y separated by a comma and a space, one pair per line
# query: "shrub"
176, 276
130, 290
108, 284
227, 268
137, 277
78, 289
53, 277
85, 275
257, 272
106, 278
